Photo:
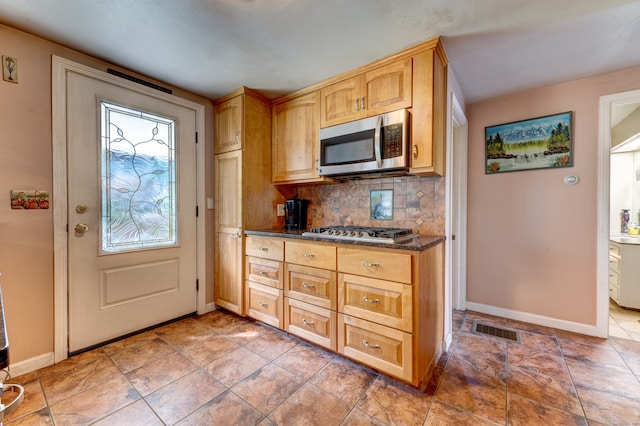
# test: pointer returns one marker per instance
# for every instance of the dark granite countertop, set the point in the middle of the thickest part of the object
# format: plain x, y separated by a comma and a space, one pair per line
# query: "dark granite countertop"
4, 342
419, 243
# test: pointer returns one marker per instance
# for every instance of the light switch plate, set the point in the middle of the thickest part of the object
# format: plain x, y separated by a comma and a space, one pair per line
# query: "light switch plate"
280, 209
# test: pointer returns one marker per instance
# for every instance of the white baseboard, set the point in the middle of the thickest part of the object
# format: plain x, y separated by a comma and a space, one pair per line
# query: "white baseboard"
448, 341
31, 364
576, 327
209, 307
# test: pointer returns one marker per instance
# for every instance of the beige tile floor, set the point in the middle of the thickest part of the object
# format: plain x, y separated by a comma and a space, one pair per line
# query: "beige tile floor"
624, 323
220, 369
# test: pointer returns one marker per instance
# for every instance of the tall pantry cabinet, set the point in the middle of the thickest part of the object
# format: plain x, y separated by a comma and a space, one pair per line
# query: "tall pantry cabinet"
244, 195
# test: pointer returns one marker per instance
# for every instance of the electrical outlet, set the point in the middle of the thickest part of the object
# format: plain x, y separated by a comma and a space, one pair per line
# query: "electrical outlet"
280, 209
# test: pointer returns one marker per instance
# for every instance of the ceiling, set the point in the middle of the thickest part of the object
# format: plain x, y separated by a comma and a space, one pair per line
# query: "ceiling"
211, 47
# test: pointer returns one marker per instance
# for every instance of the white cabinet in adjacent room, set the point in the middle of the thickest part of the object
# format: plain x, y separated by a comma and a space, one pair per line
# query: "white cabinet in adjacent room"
624, 274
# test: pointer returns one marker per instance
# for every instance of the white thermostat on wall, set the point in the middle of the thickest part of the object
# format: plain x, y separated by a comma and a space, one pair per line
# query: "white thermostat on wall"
571, 180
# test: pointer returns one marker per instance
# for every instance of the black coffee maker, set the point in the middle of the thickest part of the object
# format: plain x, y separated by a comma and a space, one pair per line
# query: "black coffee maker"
295, 214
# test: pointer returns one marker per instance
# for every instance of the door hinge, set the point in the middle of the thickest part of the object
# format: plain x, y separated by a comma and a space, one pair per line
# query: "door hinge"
67, 227
196, 137
197, 211
453, 237
197, 284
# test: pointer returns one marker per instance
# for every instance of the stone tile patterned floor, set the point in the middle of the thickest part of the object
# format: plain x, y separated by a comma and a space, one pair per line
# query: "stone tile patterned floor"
219, 368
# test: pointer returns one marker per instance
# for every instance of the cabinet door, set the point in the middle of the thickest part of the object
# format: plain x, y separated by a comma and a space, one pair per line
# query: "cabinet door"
341, 102
228, 228
430, 104
228, 125
295, 140
388, 88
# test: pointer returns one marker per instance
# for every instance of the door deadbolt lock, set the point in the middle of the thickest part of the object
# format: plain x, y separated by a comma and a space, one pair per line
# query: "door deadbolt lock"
81, 209
81, 228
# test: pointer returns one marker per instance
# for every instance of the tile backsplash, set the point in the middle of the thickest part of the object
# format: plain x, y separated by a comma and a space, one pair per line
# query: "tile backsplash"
418, 203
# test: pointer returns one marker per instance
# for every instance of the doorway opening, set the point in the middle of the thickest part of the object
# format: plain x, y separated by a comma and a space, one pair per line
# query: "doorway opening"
616, 193
624, 220
456, 216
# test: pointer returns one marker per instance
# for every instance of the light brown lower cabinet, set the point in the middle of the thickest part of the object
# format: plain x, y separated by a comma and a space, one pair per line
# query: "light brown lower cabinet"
383, 348
310, 322
265, 304
381, 307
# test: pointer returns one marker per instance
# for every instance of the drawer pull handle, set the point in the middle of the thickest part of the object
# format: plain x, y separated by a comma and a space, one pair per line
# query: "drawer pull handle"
309, 286
369, 265
309, 255
263, 248
264, 272
263, 304
369, 345
367, 300
308, 323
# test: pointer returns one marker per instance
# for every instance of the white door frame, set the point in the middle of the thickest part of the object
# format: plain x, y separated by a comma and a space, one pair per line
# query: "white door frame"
60, 68
604, 189
455, 197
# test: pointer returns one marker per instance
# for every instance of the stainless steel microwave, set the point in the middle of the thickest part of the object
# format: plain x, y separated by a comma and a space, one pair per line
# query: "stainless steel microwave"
375, 145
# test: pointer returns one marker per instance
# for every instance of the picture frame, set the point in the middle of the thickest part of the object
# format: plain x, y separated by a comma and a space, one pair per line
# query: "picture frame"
9, 69
381, 202
535, 143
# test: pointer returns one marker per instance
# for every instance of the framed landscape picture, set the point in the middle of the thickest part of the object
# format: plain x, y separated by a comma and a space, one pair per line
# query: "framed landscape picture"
536, 143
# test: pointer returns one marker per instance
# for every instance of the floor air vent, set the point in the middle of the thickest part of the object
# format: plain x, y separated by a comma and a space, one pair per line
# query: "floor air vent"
502, 333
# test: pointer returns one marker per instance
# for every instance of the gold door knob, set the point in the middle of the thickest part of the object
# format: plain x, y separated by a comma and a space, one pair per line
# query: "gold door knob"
81, 228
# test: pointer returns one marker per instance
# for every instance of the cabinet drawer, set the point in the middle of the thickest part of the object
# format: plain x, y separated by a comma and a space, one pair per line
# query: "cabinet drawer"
265, 304
614, 248
384, 302
265, 247
383, 348
614, 278
317, 325
375, 264
264, 271
311, 285
315, 255
614, 292
614, 263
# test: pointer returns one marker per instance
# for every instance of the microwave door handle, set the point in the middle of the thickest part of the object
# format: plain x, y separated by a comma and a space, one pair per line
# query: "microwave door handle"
377, 142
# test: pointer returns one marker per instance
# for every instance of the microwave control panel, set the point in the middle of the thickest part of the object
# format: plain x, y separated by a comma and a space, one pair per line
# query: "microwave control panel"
392, 141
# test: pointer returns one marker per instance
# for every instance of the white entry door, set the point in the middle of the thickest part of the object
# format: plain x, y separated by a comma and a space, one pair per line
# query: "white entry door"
131, 177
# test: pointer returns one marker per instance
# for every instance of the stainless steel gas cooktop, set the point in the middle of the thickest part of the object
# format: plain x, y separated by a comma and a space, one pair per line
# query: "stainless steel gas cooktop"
362, 233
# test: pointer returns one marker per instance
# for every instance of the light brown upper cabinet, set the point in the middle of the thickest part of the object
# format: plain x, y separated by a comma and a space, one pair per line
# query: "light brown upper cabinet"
295, 140
429, 112
383, 89
228, 125
415, 78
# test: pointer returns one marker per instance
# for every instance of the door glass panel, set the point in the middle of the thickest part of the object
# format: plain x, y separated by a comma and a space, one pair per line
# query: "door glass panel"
138, 170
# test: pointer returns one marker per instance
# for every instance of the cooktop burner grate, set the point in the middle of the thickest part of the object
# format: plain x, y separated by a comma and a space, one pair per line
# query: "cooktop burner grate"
386, 235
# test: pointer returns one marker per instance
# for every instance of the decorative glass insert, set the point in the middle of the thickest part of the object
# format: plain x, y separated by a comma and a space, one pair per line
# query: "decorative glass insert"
138, 179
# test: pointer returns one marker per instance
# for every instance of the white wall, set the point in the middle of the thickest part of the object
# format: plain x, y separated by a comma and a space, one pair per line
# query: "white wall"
622, 185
